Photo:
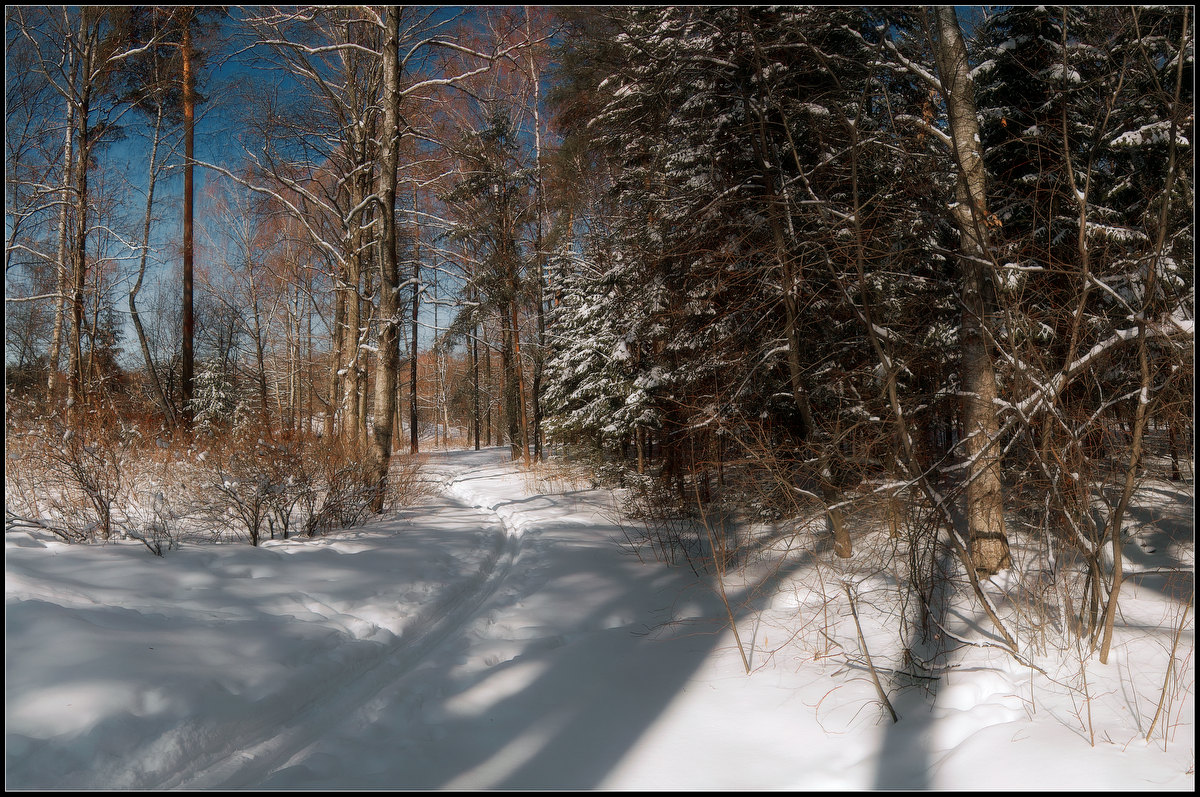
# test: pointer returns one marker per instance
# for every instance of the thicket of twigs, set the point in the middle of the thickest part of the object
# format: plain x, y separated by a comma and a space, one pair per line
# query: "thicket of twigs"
1060, 595
114, 478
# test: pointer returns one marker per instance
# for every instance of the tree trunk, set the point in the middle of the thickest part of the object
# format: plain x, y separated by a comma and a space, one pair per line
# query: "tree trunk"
95, 385
475, 381
151, 372
352, 378
445, 369
308, 361
79, 255
298, 420
539, 255
60, 302
985, 496
189, 153
414, 445
389, 267
509, 390
491, 388
519, 372
264, 407
437, 369
338, 353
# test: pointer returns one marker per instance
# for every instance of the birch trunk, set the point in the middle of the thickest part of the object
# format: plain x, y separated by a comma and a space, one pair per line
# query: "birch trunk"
60, 303
539, 257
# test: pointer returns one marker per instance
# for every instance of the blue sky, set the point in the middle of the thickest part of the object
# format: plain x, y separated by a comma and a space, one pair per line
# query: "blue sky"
231, 70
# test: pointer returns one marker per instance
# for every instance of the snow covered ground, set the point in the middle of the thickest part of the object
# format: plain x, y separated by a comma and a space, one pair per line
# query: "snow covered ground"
497, 636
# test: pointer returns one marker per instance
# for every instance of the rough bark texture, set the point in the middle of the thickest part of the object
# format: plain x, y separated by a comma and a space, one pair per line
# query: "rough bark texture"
414, 445
985, 497
491, 388
189, 153
389, 267
509, 391
79, 250
339, 353
520, 383
475, 382
352, 378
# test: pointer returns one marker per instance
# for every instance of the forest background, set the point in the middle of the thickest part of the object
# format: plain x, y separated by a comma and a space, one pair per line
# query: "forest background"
746, 262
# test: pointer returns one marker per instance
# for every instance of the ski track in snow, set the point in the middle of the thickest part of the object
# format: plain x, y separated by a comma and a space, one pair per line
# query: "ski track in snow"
250, 759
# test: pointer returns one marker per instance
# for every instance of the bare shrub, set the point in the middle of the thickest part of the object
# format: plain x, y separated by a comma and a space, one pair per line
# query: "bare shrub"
23, 487
157, 531
301, 484
557, 476
667, 529
343, 496
405, 484
72, 477
236, 486
111, 478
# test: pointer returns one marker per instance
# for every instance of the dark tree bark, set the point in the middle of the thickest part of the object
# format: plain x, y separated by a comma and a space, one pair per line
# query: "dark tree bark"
189, 154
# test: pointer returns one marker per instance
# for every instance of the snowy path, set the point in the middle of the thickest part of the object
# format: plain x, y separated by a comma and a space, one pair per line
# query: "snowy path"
497, 637
248, 760
462, 644
545, 678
